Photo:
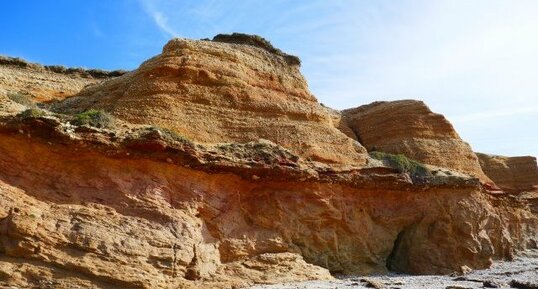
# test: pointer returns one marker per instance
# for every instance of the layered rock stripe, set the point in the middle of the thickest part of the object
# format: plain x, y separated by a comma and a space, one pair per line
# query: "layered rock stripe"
409, 127
512, 174
213, 92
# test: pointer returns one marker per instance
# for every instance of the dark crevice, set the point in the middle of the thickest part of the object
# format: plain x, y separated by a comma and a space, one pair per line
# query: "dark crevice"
192, 270
392, 263
174, 261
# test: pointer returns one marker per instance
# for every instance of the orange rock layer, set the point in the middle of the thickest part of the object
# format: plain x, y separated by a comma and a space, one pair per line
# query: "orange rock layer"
512, 174
409, 127
213, 92
101, 210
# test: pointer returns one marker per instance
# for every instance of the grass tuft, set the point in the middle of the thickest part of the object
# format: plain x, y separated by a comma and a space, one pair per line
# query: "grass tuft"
402, 163
170, 135
95, 118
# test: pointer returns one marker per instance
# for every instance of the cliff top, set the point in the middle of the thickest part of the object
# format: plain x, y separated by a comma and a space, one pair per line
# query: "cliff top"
257, 41
79, 71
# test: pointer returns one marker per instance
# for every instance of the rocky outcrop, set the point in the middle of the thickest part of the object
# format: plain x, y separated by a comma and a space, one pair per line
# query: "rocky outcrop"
214, 92
220, 171
511, 174
137, 208
26, 83
409, 127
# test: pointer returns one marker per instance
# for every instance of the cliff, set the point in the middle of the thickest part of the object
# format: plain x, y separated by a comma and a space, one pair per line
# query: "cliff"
512, 174
214, 92
138, 209
409, 127
29, 83
214, 174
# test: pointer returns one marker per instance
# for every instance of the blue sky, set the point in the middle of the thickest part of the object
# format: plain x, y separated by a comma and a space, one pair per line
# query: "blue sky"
475, 61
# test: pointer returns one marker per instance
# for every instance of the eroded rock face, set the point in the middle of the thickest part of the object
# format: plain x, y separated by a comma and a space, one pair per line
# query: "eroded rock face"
512, 174
34, 82
133, 224
116, 212
263, 189
409, 127
214, 92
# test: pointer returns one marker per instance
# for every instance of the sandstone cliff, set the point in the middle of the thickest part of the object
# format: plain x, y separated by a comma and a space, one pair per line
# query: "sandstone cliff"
30, 82
213, 92
409, 127
512, 174
217, 175
138, 209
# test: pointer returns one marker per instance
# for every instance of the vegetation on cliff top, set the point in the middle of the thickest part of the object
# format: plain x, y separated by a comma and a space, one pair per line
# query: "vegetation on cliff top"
94, 73
258, 41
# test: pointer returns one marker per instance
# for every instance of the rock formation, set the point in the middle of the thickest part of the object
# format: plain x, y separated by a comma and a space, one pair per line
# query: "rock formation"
216, 174
38, 83
213, 92
409, 127
511, 174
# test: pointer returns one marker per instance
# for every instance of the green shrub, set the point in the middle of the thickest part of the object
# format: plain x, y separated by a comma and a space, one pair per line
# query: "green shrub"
95, 118
56, 68
402, 163
19, 62
174, 135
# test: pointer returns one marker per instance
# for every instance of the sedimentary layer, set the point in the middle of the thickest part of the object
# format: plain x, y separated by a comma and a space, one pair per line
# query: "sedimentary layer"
220, 169
512, 174
27, 82
409, 127
214, 92
138, 209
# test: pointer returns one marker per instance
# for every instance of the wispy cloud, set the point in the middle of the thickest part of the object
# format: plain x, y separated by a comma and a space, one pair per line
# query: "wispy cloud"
162, 22
160, 19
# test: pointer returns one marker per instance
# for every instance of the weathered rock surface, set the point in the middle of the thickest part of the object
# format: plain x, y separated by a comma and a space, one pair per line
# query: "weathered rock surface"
112, 209
34, 82
264, 189
214, 92
512, 174
409, 127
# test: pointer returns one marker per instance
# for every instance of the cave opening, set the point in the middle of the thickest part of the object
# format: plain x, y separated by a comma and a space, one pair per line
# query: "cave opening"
395, 258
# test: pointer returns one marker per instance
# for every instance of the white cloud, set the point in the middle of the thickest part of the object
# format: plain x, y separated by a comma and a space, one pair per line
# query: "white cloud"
151, 8
162, 22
